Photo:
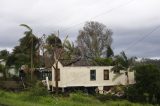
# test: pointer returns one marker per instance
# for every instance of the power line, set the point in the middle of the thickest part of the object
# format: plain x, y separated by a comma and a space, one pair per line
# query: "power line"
112, 9
141, 39
106, 12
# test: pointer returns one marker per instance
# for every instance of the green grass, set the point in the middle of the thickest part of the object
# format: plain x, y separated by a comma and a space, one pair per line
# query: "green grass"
75, 99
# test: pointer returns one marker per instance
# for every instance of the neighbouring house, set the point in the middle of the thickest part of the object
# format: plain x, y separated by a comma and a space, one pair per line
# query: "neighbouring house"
2, 62
80, 74
11, 70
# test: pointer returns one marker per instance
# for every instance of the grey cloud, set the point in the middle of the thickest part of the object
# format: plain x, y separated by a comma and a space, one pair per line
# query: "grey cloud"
127, 22
138, 44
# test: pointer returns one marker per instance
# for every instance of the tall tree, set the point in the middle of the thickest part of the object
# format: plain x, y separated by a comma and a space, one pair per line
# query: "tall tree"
56, 48
30, 44
94, 40
26, 51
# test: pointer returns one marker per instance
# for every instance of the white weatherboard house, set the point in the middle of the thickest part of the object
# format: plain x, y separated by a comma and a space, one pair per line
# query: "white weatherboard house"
11, 70
81, 74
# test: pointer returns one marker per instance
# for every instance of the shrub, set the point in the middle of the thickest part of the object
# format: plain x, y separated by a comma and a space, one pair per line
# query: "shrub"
147, 87
107, 97
81, 98
38, 90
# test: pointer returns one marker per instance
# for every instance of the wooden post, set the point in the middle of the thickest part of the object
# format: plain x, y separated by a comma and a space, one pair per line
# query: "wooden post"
56, 77
31, 57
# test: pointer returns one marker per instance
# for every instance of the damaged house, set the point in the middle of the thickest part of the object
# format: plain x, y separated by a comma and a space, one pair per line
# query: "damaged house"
80, 74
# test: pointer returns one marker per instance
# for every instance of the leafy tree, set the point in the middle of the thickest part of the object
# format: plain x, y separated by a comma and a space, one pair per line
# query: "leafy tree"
150, 61
103, 61
147, 87
18, 60
53, 46
27, 48
94, 40
110, 52
56, 49
4, 54
71, 51
30, 44
54, 41
123, 63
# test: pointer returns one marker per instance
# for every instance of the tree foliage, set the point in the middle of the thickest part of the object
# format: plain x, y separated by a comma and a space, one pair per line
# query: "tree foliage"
28, 46
103, 61
94, 40
123, 63
147, 87
4, 54
71, 51
54, 41
53, 46
150, 61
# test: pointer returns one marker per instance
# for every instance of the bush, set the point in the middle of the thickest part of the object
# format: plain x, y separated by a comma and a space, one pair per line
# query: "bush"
107, 97
38, 90
147, 87
133, 94
103, 61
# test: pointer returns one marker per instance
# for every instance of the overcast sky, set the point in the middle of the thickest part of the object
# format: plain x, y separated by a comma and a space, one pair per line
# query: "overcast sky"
134, 22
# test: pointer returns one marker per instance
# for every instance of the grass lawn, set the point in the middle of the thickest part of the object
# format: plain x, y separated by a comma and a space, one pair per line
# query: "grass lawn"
76, 99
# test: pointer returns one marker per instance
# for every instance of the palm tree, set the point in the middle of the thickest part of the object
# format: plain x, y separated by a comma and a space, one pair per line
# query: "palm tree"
55, 48
71, 50
123, 63
30, 45
54, 41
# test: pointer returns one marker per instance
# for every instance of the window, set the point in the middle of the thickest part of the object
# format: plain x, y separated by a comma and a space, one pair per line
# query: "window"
106, 74
92, 75
45, 74
57, 75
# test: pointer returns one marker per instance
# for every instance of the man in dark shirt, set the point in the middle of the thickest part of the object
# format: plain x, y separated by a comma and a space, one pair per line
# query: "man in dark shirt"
22, 76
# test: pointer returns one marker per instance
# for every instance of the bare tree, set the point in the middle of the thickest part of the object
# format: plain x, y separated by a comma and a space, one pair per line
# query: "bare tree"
94, 40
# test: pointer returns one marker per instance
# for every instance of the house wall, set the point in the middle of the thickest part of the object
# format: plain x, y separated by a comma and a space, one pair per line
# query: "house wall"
1, 75
80, 76
2, 62
12, 71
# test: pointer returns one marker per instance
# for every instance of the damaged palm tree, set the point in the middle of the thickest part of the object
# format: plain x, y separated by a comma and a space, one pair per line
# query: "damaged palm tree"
30, 45
55, 48
123, 63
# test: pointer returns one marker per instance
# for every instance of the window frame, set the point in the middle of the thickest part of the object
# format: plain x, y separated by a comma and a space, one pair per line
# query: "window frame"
105, 74
93, 75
